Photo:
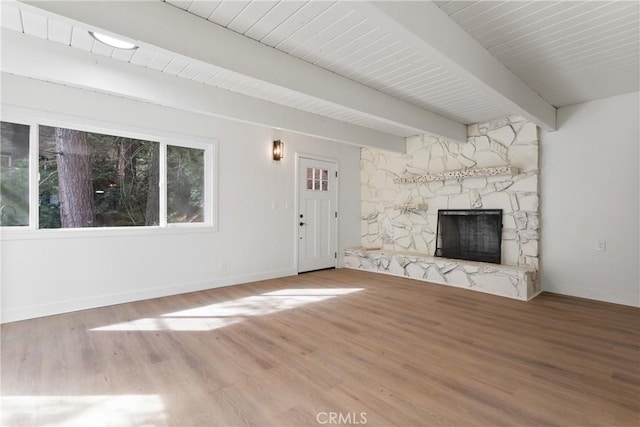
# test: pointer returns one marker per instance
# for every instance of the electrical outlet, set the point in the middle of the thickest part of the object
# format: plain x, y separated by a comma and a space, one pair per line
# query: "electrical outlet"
601, 245
223, 265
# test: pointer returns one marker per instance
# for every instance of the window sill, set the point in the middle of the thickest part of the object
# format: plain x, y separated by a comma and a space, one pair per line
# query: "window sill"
85, 233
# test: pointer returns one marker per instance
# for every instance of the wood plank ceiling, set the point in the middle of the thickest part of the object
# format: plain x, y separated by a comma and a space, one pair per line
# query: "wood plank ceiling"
334, 36
567, 52
29, 22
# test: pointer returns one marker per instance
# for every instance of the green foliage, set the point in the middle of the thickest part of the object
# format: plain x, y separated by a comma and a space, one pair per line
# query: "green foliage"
185, 184
49, 216
14, 193
14, 174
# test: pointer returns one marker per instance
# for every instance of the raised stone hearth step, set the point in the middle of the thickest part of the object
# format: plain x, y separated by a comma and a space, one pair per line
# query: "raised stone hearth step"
519, 282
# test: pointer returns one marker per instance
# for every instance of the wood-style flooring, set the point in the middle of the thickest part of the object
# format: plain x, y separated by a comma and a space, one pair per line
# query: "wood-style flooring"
338, 346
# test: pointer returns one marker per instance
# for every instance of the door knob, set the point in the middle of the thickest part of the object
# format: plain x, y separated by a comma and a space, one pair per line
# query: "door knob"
302, 223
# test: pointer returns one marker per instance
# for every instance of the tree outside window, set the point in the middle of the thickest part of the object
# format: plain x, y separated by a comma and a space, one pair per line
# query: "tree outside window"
185, 184
94, 180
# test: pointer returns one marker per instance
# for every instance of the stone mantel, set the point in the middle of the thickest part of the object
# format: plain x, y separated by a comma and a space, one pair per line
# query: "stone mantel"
518, 282
458, 174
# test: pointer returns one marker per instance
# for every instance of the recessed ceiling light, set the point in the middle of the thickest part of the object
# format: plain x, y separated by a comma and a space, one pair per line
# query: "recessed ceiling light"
112, 41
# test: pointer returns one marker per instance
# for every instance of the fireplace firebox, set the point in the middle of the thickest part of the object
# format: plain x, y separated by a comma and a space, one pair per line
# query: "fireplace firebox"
470, 234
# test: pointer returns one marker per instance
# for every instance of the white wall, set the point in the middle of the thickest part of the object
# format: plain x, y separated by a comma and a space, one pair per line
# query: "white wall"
256, 237
589, 191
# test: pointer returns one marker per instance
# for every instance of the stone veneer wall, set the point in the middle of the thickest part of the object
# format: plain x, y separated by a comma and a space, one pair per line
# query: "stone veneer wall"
403, 217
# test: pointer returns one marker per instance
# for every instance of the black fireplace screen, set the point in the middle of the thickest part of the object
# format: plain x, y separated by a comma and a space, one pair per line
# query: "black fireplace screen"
474, 235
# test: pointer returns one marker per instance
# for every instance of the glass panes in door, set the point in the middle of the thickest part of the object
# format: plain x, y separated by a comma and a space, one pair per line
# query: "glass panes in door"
317, 179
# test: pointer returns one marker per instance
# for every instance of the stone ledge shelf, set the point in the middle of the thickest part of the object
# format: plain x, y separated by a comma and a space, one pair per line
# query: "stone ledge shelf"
505, 280
458, 174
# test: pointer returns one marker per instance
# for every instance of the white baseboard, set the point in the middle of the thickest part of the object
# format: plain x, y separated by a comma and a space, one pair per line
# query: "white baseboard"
623, 298
59, 307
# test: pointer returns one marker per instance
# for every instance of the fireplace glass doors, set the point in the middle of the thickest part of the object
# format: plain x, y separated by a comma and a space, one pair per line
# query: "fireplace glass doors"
470, 234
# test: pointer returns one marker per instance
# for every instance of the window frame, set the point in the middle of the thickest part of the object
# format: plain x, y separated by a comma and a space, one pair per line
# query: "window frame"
34, 119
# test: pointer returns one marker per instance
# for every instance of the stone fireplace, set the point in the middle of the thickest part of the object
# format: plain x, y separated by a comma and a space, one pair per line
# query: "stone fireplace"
496, 169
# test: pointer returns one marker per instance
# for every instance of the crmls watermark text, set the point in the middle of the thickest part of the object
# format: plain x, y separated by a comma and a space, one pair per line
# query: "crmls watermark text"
341, 418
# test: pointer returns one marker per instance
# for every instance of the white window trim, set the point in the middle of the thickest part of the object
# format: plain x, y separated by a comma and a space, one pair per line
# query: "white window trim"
35, 118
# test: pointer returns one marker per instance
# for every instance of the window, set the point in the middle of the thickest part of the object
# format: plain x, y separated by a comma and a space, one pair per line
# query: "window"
14, 174
88, 179
317, 179
95, 180
185, 184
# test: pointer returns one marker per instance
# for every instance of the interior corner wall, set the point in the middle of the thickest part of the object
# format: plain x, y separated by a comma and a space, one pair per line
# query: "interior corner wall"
590, 190
256, 225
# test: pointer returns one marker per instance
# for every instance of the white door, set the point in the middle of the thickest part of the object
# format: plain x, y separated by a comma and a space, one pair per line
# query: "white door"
317, 215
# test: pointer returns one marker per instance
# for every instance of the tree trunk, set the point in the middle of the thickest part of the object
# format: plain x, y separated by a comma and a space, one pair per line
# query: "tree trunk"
127, 150
152, 214
75, 186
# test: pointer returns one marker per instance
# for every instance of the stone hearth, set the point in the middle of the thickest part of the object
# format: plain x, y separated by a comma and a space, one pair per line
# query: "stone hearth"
504, 280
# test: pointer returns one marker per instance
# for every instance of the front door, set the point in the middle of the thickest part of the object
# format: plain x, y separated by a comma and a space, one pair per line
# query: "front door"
317, 215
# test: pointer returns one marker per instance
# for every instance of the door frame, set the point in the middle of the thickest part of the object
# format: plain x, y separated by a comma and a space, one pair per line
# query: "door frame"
296, 198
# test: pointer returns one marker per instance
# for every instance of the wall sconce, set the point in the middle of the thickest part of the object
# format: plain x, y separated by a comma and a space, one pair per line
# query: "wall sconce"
278, 150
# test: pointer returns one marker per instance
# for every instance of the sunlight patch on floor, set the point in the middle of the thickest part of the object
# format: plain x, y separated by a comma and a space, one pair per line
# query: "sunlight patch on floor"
95, 411
214, 316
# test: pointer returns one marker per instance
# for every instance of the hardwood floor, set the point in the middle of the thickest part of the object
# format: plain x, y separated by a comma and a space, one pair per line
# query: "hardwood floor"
327, 347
